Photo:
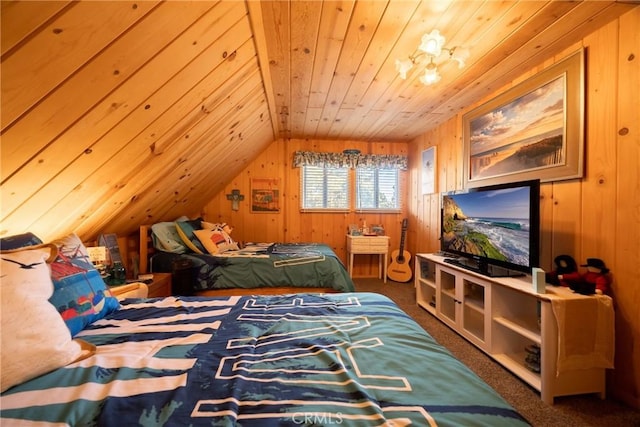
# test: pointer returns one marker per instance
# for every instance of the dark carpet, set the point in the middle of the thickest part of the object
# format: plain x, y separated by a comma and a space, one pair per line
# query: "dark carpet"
583, 410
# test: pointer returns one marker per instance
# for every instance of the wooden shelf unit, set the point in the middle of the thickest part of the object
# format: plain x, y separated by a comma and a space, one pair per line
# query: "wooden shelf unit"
503, 317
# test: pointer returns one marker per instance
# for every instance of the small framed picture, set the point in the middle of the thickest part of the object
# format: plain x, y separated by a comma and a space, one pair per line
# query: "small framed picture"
110, 241
429, 171
265, 195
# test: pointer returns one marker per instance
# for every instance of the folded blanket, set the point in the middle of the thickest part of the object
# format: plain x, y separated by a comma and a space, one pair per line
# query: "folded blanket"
586, 337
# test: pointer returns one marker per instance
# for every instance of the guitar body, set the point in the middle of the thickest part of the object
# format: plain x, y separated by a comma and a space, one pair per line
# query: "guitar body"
399, 270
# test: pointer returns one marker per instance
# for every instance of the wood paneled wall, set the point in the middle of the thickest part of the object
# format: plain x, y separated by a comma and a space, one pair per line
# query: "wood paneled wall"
597, 216
290, 224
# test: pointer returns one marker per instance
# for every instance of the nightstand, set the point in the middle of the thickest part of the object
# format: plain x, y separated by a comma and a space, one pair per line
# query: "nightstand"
130, 290
161, 285
369, 245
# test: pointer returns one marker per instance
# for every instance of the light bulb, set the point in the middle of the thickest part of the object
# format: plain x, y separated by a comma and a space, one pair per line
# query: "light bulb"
432, 43
403, 66
460, 55
430, 75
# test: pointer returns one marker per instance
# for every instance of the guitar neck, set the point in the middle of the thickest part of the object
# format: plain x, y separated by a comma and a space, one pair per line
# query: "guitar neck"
402, 234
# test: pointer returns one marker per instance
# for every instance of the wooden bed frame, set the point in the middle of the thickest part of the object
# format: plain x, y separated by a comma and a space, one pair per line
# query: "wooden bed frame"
147, 250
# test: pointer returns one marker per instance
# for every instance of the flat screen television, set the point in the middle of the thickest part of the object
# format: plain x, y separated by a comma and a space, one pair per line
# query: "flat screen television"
493, 230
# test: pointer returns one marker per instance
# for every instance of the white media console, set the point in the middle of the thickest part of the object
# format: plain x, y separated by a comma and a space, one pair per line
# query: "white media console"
509, 321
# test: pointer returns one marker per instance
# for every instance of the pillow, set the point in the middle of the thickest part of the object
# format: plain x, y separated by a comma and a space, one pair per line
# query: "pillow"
166, 238
219, 226
80, 295
185, 230
19, 241
215, 241
35, 340
209, 225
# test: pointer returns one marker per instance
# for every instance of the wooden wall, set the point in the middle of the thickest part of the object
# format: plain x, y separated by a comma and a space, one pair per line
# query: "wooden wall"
597, 216
290, 224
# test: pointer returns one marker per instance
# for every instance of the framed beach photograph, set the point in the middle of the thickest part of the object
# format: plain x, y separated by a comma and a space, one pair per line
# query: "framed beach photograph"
265, 195
429, 171
535, 130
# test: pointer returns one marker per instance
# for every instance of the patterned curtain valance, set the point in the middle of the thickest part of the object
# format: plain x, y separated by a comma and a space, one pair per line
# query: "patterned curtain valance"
381, 161
342, 160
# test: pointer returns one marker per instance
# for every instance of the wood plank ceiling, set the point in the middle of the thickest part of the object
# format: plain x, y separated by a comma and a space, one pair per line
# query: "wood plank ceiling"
119, 113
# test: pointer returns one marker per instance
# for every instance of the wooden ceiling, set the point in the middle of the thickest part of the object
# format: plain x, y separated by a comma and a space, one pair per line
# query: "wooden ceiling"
117, 113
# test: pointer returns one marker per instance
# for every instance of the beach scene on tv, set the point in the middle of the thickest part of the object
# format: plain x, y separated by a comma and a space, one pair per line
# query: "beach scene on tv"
492, 224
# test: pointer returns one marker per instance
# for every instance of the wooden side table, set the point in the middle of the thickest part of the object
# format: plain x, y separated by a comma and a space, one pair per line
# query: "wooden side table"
130, 290
161, 285
369, 245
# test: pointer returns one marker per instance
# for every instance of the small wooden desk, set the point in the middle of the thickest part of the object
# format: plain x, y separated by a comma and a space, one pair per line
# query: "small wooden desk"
369, 245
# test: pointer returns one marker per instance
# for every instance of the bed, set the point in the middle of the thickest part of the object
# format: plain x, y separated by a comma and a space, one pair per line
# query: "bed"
270, 267
352, 359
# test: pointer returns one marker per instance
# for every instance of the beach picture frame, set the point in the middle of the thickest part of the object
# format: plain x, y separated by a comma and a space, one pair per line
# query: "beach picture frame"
534, 130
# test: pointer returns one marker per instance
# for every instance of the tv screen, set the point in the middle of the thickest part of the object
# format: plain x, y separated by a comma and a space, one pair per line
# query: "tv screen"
494, 229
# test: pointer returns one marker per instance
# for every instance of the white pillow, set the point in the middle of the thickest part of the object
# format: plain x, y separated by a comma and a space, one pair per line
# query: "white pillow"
35, 339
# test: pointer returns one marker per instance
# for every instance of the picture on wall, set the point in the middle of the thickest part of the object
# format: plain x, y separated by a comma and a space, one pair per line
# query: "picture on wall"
532, 131
429, 171
265, 195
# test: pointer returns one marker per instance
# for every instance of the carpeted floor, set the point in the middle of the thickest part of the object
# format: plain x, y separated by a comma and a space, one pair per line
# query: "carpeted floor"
569, 411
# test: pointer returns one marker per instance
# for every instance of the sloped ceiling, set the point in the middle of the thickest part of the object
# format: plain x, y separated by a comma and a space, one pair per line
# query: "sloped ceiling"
118, 113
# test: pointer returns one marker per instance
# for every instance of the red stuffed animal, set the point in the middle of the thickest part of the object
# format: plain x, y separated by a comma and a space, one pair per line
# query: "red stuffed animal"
595, 280
565, 266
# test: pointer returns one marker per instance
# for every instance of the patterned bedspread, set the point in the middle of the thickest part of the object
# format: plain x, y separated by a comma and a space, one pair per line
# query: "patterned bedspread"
265, 265
352, 359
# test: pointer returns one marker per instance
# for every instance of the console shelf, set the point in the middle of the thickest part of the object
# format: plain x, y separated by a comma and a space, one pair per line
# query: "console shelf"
519, 328
506, 319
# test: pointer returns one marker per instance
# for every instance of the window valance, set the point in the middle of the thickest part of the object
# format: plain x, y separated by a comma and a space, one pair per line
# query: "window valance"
342, 160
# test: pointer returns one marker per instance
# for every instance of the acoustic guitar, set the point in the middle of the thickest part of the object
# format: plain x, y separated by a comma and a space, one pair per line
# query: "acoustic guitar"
399, 269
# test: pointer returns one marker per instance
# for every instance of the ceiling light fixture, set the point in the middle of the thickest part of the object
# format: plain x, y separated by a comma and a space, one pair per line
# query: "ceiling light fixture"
431, 48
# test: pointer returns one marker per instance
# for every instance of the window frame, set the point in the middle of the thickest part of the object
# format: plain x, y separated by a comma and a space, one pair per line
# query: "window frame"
303, 198
352, 196
398, 193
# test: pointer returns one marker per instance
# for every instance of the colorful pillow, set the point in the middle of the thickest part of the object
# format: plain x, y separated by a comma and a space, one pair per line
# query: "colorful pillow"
215, 241
80, 295
209, 225
35, 340
186, 231
166, 238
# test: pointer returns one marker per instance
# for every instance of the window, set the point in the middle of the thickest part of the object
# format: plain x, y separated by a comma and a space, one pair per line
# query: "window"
377, 189
325, 188
329, 181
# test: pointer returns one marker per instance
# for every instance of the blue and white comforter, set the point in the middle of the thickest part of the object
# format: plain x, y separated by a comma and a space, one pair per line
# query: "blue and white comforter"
351, 359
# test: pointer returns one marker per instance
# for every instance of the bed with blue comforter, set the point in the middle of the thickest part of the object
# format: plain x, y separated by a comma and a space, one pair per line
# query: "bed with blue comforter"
350, 359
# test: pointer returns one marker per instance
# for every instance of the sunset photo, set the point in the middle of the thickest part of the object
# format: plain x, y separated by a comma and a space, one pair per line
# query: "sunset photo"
525, 134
